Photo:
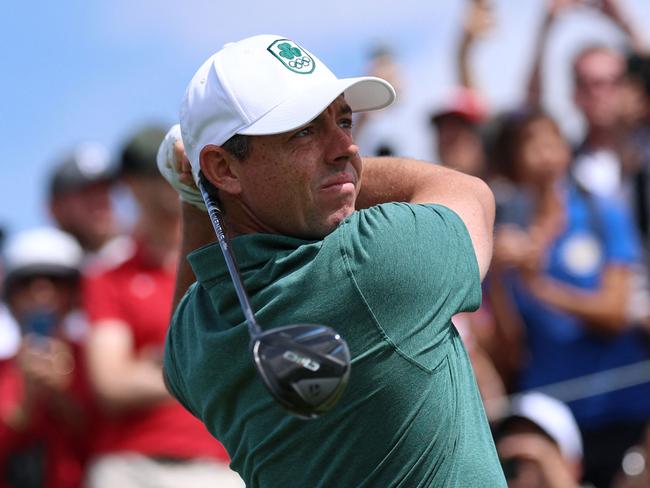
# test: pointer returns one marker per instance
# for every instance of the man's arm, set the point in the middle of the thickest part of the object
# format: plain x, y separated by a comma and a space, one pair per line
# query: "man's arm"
602, 310
405, 180
614, 10
196, 229
120, 379
479, 20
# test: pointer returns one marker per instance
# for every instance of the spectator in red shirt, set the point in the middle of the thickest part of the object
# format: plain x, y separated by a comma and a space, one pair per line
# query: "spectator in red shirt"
146, 437
44, 401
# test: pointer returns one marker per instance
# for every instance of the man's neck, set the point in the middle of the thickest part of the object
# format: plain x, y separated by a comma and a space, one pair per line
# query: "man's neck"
239, 220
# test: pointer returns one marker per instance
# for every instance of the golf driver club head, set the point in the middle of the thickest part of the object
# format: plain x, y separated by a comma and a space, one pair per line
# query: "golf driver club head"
305, 367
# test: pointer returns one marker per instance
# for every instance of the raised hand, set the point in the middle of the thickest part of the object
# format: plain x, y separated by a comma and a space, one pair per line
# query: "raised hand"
176, 169
479, 20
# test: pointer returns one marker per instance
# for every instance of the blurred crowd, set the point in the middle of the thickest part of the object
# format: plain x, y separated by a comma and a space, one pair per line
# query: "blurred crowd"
560, 345
85, 314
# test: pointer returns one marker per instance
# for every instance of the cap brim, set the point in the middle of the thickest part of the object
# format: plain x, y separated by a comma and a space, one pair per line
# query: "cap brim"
362, 94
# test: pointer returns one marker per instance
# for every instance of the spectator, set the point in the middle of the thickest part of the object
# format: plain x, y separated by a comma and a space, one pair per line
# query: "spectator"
145, 438
80, 204
635, 159
598, 73
564, 264
9, 332
457, 124
608, 161
377, 134
45, 402
635, 149
539, 443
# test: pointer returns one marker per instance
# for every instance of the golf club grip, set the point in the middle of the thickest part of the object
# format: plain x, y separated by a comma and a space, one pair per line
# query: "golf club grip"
214, 214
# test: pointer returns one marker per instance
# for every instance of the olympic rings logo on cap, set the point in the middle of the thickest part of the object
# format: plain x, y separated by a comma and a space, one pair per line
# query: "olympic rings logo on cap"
300, 63
292, 56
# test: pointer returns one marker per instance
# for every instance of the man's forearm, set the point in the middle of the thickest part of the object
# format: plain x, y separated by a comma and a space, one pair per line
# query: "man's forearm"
389, 179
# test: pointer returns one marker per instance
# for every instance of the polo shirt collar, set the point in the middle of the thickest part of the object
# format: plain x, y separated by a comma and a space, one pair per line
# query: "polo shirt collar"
251, 251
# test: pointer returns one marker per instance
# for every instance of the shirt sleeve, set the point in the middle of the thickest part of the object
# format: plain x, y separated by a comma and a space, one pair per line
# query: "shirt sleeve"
415, 267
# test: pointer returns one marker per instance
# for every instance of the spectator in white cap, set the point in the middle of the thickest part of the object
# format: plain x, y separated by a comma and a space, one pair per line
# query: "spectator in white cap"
44, 401
79, 197
539, 443
269, 127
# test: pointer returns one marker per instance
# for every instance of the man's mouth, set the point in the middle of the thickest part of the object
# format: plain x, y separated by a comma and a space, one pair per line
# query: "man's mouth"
339, 182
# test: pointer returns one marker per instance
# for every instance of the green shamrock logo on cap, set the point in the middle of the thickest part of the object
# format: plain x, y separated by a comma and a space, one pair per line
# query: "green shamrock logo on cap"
292, 56
288, 51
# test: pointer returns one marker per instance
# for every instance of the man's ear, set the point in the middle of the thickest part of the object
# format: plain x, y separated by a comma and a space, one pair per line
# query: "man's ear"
217, 167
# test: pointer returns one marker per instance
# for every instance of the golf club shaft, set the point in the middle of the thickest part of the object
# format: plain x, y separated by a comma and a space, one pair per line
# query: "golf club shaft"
215, 217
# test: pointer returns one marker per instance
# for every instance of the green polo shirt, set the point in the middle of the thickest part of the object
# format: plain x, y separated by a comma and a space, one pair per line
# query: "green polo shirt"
388, 279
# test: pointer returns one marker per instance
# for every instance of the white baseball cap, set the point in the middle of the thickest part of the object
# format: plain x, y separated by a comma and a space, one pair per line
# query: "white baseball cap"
41, 250
553, 417
264, 85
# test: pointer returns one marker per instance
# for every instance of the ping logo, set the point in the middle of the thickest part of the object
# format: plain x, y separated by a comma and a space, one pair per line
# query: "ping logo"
292, 56
306, 363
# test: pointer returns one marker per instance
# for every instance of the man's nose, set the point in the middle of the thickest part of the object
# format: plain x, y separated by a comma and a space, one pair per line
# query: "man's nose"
341, 147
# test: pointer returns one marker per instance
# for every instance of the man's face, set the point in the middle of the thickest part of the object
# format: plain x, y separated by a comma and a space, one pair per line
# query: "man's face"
86, 214
598, 77
31, 297
459, 145
543, 154
304, 182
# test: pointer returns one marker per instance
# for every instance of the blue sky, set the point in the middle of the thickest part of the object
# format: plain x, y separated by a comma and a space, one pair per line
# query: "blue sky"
80, 71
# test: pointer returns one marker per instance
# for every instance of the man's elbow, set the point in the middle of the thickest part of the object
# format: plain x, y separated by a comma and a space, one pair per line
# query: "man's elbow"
486, 207
484, 195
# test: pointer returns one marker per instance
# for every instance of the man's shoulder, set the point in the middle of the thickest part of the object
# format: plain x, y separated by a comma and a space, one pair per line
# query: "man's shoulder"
402, 212
399, 220
405, 237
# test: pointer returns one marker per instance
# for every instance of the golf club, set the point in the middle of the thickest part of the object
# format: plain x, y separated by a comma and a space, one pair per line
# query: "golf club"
306, 367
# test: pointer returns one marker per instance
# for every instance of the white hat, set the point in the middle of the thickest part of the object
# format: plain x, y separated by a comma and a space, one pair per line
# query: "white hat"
553, 417
265, 85
42, 250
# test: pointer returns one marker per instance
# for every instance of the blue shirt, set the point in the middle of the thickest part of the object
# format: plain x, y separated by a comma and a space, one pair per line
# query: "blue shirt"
598, 233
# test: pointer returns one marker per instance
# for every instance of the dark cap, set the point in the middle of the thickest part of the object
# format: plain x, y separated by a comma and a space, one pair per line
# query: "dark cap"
139, 153
87, 164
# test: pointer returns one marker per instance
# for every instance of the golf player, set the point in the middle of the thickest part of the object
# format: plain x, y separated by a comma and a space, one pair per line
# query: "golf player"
385, 251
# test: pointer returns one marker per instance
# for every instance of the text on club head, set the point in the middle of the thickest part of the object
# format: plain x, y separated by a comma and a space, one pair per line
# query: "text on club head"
307, 363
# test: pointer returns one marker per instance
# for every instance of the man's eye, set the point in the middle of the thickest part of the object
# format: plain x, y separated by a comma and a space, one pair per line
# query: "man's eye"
346, 123
303, 132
